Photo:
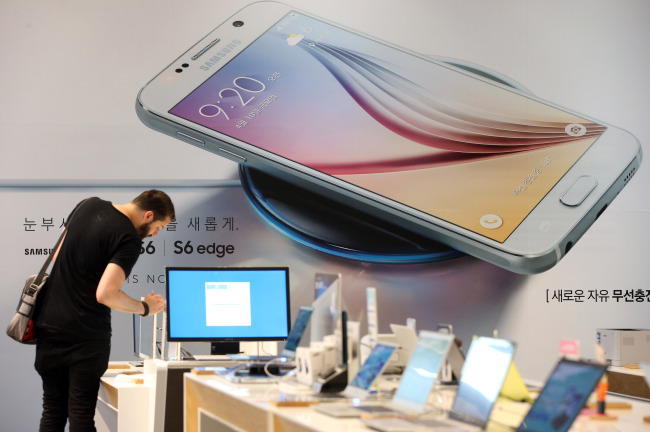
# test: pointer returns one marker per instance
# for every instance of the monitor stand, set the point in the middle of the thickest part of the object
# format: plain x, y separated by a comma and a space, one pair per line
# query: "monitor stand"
224, 348
334, 228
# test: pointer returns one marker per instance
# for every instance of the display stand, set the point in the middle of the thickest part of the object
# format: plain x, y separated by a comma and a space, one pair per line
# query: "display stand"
156, 341
337, 229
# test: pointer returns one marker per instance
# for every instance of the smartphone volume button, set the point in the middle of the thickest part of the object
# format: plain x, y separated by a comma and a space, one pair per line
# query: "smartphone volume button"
191, 139
232, 156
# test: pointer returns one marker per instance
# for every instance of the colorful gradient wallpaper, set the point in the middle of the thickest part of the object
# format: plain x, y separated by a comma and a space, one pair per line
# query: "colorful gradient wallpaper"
421, 134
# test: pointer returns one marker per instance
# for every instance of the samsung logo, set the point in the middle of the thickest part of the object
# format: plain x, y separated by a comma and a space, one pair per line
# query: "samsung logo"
38, 251
220, 54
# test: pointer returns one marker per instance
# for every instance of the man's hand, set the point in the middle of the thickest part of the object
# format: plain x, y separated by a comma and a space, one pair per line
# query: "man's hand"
156, 303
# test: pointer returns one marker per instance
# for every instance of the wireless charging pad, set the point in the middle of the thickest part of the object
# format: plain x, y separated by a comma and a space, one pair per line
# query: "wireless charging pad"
331, 227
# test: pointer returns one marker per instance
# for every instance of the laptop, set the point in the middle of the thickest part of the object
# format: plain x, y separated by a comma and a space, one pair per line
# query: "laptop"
482, 377
418, 379
564, 395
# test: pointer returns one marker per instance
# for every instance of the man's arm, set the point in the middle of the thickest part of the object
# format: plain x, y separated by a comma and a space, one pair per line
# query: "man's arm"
109, 293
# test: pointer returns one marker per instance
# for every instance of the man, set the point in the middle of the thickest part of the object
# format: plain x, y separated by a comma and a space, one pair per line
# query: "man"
73, 327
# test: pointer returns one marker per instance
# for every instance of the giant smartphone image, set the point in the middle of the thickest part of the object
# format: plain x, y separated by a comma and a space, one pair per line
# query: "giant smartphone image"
497, 173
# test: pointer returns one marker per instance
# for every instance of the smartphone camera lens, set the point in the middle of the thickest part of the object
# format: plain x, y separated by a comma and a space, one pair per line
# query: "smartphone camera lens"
238, 23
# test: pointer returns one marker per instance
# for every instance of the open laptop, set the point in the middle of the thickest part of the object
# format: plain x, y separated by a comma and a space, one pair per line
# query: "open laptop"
564, 395
483, 375
417, 381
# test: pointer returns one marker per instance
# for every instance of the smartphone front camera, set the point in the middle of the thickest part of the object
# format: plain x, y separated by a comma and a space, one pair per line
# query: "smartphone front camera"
179, 70
238, 23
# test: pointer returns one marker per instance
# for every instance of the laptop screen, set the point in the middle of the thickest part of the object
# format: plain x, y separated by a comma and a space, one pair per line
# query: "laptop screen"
484, 372
422, 370
565, 393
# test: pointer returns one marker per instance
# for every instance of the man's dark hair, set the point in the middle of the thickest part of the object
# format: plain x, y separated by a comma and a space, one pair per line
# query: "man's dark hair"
158, 202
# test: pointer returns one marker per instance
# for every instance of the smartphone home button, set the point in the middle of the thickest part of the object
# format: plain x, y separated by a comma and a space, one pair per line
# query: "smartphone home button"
578, 191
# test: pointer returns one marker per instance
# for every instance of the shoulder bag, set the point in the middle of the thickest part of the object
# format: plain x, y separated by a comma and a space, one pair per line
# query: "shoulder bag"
21, 327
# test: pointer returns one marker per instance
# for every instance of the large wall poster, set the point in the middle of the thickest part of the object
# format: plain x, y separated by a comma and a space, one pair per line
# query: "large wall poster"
67, 116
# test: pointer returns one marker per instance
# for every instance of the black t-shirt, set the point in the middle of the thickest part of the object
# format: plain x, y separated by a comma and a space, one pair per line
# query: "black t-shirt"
97, 235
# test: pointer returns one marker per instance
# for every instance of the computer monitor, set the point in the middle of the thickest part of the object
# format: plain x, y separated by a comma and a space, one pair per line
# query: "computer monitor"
221, 304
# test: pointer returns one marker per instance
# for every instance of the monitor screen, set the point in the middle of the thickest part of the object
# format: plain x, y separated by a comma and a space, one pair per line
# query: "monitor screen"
227, 303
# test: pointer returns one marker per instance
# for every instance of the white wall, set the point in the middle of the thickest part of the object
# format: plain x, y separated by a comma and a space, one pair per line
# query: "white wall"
71, 71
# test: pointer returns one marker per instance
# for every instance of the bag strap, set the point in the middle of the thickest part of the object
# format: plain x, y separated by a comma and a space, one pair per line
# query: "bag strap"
41, 274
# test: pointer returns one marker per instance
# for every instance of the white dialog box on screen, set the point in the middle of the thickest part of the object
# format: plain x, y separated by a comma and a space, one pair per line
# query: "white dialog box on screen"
228, 303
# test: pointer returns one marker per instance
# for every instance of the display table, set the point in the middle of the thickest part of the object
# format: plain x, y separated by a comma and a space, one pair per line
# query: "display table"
211, 400
213, 403
145, 398
123, 405
628, 381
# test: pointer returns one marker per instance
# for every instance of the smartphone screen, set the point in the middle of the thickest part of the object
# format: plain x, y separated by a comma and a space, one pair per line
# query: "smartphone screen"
373, 366
414, 131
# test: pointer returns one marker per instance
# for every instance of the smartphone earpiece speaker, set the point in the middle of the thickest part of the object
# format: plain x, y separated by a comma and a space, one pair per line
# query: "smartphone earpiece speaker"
205, 48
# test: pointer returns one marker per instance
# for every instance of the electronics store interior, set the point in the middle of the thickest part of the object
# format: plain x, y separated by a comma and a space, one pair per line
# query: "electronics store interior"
319, 370
325, 270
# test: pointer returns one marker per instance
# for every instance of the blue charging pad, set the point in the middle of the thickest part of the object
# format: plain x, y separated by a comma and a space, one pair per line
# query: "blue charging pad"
328, 226
331, 227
